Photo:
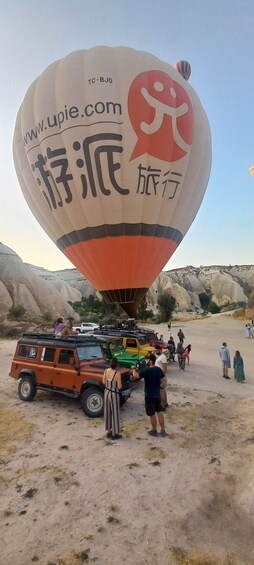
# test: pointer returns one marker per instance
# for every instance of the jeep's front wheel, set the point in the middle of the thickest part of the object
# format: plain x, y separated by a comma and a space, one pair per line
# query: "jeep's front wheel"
92, 400
27, 389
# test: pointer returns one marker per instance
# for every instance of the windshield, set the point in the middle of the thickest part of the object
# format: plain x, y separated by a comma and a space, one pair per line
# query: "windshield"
116, 345
89, 351
142, 340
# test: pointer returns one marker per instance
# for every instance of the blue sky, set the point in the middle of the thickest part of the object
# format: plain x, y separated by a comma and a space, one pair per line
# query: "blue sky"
215, 36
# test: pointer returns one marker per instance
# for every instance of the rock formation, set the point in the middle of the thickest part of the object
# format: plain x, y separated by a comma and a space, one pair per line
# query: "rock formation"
22, 285
40, 290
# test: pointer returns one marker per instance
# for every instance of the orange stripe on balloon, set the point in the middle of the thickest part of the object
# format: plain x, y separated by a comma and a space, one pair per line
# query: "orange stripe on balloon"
121, 262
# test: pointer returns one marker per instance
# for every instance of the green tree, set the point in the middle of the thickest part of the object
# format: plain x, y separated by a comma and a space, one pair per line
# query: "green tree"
204, 300
166, 305
143, 313
214, 308
17, 311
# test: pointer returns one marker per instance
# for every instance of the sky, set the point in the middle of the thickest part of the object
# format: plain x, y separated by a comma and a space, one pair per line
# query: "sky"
215, 36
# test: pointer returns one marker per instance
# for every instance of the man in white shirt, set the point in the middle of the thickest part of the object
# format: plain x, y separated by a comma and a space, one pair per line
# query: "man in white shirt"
161, 361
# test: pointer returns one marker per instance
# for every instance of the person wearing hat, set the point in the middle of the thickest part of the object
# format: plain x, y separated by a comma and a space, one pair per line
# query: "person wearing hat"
153, 377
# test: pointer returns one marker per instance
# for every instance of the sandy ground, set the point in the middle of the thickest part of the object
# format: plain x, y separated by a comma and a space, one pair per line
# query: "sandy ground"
70, 496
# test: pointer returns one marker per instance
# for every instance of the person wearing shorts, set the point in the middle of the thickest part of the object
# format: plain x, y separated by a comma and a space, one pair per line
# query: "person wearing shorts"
153, 377
225, 359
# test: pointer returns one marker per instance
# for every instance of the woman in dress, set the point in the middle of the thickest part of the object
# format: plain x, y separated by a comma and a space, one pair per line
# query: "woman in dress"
239, 367
113, 384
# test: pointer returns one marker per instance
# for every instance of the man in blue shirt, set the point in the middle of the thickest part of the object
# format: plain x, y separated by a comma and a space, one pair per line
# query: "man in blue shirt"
153, 377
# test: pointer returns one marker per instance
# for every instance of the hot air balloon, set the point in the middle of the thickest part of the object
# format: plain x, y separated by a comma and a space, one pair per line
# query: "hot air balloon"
251, 170
112, 151
184, 68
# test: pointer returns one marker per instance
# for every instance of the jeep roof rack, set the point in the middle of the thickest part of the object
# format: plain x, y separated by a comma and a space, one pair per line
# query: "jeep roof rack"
53, 337
118, 332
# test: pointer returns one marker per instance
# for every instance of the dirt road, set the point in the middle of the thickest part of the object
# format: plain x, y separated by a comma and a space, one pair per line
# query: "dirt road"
70, 496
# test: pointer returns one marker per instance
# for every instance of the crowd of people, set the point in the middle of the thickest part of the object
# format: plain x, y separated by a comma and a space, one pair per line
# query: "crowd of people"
154, 376
155, 383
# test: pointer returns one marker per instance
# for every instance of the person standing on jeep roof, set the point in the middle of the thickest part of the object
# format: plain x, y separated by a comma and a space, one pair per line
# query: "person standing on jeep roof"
113, 383
153, 377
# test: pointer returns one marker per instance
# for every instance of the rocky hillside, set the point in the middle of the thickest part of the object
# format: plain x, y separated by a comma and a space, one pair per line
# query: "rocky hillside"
20, 284
40, 290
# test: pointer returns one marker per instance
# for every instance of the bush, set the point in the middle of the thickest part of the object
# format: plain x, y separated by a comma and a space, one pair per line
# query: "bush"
214, 308
17, 311
47, 316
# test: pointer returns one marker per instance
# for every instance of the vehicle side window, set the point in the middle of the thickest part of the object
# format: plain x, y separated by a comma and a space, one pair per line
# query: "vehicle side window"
66, 357
131, 343
27, 351
48, 354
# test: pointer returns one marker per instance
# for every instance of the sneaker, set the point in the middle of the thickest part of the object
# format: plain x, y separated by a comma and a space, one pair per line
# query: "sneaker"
163, 433
116, 436
152, 433
227, 377
109, 434
163, 409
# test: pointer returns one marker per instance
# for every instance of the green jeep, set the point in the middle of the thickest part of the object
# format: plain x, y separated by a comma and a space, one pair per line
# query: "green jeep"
113, 347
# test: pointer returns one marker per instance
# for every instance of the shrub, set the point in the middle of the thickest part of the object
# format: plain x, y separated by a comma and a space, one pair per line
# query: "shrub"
214, 308
47, 316
17, 311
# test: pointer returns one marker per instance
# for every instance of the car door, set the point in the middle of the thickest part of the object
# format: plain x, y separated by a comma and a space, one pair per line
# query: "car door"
57, 368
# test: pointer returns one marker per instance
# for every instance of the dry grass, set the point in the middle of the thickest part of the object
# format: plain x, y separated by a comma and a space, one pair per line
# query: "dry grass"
59, 475
154, 453
196, 557
187, 415
130, 428
13, 428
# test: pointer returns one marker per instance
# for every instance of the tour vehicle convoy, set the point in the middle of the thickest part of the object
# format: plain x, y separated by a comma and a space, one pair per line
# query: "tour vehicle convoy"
72, 365
133, 342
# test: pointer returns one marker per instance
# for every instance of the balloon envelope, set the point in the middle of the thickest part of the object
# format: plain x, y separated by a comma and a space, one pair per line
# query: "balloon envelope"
251, 170
112, 150
184, 68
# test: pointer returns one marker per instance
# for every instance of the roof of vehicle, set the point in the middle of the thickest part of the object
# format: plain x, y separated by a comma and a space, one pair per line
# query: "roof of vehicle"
118, 332
106, 338
51, 339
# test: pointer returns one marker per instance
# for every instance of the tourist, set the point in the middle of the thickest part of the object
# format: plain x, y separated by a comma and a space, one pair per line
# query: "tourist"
161, 361
187, 351
225, 358
113, 383
153, 377
239, 367
181, 336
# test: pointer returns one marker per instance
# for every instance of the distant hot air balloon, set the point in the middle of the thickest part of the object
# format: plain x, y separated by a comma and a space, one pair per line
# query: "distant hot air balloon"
251, 170
112, 150
184, 68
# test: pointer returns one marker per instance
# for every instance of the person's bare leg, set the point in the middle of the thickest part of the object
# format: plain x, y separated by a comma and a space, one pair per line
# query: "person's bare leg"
164, 400
161, 420
154, 422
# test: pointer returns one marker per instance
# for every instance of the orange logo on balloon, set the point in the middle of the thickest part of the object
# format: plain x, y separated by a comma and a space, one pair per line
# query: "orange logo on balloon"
161, 114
